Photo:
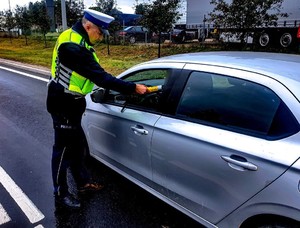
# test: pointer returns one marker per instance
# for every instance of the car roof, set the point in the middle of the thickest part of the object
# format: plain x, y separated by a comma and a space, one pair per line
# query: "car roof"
127, 28
282, 67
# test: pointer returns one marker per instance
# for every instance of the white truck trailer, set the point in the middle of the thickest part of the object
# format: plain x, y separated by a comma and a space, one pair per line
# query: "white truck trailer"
286, 34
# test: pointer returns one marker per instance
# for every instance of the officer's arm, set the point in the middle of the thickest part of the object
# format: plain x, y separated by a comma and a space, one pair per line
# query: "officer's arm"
80, 60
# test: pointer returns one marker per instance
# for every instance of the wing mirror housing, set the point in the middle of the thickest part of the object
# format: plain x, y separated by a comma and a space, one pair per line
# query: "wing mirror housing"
98, 95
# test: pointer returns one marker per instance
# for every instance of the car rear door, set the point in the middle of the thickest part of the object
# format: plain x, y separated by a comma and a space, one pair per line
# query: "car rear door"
223, 144
140, 33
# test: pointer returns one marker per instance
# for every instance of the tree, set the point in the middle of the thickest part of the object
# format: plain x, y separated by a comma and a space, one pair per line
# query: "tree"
23, 20
9, 22
106, 6
140, 8
74, 11
243, 16
109, 7
39, 17
160, 16
2, 20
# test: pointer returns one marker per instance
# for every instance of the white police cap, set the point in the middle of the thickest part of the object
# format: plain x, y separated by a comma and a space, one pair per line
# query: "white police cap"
100, 19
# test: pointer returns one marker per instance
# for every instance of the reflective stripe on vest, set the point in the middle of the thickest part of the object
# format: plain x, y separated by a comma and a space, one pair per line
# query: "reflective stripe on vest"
70, 80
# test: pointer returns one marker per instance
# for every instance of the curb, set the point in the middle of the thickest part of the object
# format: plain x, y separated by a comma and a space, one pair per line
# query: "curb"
28, 67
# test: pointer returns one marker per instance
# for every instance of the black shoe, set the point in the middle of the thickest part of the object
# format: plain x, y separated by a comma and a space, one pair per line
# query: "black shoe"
68, 201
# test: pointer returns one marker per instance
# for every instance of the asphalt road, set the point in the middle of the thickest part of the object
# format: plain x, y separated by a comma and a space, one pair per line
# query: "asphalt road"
26, 198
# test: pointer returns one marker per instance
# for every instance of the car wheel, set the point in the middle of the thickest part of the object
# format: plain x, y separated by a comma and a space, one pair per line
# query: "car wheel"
286, 40
132, 40
264, 39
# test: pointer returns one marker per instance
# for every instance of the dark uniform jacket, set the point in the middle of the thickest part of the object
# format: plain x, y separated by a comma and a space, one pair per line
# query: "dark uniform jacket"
80, 60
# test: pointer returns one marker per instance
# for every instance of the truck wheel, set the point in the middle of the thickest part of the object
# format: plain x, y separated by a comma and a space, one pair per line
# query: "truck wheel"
286, 40
264, 39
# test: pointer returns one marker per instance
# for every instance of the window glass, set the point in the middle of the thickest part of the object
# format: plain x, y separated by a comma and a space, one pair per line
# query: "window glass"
145, 30
154, 77
229, 102
138, 29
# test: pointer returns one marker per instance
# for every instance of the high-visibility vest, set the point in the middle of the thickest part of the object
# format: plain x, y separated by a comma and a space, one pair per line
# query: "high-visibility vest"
71, 80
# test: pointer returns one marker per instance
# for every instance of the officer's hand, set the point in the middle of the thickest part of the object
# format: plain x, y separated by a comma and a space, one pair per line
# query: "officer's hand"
140, 89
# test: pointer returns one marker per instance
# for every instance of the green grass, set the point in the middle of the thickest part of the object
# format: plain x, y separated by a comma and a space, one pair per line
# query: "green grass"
121, 57
33, 53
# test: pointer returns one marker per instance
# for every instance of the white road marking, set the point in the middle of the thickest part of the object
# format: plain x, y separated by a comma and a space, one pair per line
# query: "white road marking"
30, 210
4, 217
17, 64
25, 74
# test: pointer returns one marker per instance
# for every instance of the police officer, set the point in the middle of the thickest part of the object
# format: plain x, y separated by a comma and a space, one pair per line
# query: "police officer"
75, 69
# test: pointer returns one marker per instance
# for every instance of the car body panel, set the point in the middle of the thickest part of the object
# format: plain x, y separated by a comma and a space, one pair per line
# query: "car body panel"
206, 146
189, 167
134, 34
175, 35
216, 175
128, 146
271, 200
263, 63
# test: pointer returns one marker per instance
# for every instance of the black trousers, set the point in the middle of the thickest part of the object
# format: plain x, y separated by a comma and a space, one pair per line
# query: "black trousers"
69, 149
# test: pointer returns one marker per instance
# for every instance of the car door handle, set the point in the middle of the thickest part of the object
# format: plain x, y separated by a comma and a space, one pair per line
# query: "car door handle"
139, 130
238, 161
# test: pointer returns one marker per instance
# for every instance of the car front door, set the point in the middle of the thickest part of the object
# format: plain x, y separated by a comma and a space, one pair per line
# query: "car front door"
224, 144
119, 130
140, 34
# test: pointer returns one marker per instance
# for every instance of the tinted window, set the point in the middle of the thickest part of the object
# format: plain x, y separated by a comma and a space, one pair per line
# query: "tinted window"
150, 78
234, 104
138, 29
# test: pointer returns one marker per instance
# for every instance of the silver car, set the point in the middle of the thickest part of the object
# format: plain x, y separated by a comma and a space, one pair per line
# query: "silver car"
218, 138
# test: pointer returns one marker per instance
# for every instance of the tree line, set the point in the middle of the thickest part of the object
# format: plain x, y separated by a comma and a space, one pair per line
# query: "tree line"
34, 17
158, 15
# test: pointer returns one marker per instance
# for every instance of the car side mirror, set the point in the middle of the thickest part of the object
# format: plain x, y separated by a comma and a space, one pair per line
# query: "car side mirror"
98, 95
120, 99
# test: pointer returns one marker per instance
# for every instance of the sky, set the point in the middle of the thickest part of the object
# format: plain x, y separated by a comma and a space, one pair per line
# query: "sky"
126, 6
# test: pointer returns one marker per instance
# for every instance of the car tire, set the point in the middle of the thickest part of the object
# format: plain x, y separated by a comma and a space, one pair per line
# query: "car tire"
132, 39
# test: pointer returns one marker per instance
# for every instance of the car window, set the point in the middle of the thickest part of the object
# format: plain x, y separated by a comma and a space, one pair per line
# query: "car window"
150, 78
138, 29
144, 29
235, 104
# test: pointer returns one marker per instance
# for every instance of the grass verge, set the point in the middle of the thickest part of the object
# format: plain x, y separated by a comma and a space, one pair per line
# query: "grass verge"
114, 59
